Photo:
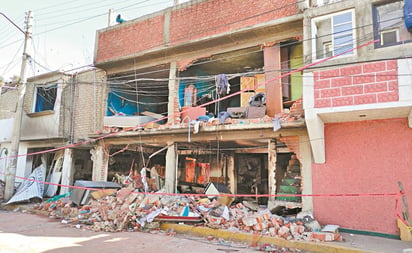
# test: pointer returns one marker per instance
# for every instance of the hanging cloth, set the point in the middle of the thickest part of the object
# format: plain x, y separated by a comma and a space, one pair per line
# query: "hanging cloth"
222, 84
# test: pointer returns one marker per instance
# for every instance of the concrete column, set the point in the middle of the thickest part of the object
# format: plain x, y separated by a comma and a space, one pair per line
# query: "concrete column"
272, 67
231, 173
173, 101
171, 168
272, 171
100, 163
67, 170
314, 123
306, 172
316, 131
166, 27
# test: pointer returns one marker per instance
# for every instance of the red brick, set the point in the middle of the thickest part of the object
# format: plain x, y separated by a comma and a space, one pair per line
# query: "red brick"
392, 65
365, 99
352, 70
387, 76
191, 22
209, 18
374, 67
376, 87
352, 90
316, 75
341, 81
317, 94
322, 84
361, 79
329, 73
319, 103
393, 86
342, 101
388, 97
327, 93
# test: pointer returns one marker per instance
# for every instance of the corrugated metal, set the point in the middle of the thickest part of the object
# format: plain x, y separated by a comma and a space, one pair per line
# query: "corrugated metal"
31, 188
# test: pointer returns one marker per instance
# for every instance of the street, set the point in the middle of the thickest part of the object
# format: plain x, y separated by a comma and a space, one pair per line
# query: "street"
29, 233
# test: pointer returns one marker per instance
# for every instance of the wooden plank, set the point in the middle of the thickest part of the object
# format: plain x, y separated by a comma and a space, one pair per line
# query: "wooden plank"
245, 97
260, 85
247, 83
152, 114
405, 205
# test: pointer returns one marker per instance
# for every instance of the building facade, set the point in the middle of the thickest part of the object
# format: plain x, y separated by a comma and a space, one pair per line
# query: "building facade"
195, 91
60, 110
358, 109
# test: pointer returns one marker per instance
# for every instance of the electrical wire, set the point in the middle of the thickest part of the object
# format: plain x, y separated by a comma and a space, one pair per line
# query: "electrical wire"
202, 63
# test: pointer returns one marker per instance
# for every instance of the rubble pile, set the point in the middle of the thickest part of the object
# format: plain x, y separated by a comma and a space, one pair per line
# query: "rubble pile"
126, 210
295, 113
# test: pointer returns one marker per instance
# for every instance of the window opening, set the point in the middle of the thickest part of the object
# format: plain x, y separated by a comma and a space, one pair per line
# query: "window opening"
333, 35
389, 25
45, 97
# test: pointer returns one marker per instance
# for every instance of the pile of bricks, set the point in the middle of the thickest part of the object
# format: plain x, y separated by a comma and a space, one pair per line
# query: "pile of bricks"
126, 210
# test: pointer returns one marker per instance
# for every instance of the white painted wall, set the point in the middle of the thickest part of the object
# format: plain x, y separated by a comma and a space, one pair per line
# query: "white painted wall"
6, 126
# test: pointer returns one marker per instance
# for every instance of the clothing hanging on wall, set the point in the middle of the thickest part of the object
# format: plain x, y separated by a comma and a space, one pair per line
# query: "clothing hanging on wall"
222, 84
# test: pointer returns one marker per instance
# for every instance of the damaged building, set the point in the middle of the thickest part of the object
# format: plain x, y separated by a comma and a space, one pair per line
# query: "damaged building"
54, 118
206, 105
196, 97
192, 106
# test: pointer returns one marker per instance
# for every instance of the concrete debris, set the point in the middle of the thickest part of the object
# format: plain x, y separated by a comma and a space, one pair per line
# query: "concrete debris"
256, 115
126, 210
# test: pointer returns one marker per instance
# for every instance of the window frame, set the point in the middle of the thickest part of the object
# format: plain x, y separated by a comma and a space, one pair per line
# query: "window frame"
386, 31
36, 94
378, 33
314, 32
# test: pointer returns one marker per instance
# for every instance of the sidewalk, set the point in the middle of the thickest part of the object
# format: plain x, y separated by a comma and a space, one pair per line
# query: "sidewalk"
351, 244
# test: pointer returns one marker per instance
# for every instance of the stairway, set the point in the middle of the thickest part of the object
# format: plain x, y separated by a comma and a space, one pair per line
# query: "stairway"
291, 183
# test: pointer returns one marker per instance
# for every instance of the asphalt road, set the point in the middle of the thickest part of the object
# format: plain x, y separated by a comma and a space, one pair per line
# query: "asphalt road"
30, 233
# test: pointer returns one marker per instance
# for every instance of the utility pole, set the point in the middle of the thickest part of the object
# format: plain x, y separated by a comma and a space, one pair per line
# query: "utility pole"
176, 2
21, 89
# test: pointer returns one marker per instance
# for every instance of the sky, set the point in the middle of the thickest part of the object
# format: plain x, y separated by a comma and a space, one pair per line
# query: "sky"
63, 31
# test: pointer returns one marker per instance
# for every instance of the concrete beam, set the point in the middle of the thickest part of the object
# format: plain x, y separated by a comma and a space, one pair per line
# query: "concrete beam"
410, 119
315, 128
210, 134
171, 168
173, 100
100, 162
231, 173
306, 172
314, 124
67, 170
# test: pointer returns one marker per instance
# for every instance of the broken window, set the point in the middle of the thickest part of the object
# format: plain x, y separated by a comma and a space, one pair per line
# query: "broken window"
333, 34
141, 99
45, 97
389, 26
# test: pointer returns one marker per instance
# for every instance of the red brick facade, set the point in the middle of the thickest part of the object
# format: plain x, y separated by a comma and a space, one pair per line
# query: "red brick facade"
364, 83
219, 16
129, 39
204, 19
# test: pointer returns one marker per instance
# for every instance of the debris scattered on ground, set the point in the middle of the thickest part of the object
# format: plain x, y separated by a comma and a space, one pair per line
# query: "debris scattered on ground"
126, 210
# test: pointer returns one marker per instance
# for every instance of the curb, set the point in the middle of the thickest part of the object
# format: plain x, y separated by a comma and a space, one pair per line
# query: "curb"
259, 239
